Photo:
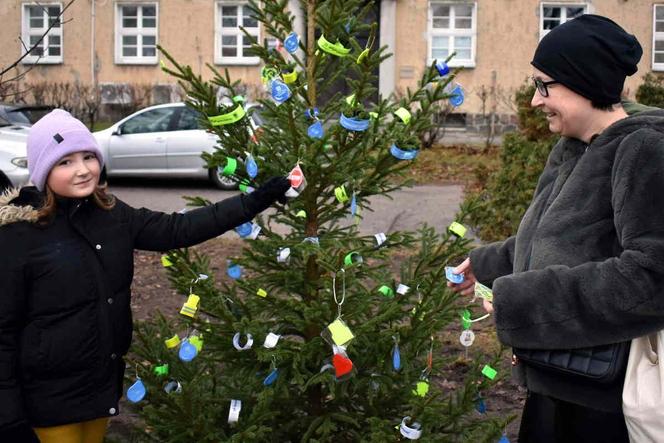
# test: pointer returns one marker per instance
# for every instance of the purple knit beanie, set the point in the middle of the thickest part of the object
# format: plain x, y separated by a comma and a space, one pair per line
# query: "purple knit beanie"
55, 135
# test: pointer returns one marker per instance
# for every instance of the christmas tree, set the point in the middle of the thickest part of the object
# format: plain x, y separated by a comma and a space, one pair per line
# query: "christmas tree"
319, 337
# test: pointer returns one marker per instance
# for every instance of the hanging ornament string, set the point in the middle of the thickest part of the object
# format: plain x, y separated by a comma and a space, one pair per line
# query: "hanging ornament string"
343, 290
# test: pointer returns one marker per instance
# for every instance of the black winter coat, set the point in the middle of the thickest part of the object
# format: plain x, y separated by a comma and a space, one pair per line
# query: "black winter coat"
65, 318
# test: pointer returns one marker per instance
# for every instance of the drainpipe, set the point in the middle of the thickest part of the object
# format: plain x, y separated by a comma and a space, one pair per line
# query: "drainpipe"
92, 44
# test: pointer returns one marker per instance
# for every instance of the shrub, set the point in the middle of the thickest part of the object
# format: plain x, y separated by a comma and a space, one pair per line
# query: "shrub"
651, 92
504, 195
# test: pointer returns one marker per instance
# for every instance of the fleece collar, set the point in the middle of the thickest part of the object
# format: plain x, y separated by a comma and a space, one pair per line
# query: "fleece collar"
20, 204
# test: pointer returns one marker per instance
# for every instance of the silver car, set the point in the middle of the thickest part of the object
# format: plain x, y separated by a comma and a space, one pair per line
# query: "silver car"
13, 155
161, 141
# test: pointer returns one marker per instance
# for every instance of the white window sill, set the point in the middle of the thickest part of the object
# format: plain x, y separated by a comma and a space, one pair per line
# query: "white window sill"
457, 63
658, 67
42, 61
128, 61
237, 61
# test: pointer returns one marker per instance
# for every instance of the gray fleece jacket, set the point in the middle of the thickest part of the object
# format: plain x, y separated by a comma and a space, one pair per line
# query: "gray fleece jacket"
586, 266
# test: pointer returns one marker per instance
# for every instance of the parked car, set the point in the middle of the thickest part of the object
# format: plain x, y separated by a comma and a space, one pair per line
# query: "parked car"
13, 155
22, 115
162, 141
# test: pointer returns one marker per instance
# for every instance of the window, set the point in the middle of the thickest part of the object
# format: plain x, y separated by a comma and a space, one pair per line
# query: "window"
189, 119
230, 43
155, 120
136, 34
658, 38
553, 14
452, 29
36, 20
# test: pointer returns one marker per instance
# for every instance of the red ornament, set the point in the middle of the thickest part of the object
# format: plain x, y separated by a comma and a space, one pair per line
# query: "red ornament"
296, 177
342, 365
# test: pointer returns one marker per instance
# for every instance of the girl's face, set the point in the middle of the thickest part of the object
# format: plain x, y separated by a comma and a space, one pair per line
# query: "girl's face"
75, 175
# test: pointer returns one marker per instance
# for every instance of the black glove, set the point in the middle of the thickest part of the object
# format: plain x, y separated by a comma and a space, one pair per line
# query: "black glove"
272, 190
22, 433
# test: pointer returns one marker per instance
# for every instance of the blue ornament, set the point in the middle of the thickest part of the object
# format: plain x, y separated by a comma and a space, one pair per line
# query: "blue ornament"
403, 154
442, 68
244, 229
353, 205
271, 377
292, 42
251, 167
452, 277
311, 113
480, 406
504, 439
396, 358
280, 91
136, 392
187, 351
354, 124
316, 130
457, 96
234, 271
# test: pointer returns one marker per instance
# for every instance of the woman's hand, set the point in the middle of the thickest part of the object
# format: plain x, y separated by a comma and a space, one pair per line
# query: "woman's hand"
467, 287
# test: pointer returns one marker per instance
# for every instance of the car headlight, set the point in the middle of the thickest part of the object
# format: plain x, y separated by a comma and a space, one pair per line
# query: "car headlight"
21, 162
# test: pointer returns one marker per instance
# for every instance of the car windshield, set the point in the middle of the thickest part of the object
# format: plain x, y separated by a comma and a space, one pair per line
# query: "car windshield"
4, 122
18, 117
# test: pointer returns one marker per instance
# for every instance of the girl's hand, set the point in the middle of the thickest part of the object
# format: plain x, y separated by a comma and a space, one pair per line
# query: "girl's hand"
467, 287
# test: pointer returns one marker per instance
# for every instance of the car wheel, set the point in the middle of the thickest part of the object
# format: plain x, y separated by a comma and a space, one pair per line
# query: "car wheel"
222, 181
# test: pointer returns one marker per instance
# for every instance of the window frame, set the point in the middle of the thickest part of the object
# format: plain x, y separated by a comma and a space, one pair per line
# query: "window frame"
219, 59
542, 31
451, 33
654, 65
139, 32
25, 35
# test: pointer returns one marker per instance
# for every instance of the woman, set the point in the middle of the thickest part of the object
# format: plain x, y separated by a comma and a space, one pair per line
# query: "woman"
66, 270
586, 267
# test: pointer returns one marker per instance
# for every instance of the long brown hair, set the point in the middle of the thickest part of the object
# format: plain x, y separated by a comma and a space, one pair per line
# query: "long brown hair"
100, 197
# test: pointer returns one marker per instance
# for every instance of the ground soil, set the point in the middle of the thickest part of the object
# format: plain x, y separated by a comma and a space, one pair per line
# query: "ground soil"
152, 292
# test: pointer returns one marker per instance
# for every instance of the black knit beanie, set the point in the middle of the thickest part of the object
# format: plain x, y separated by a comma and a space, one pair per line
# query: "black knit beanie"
591, 55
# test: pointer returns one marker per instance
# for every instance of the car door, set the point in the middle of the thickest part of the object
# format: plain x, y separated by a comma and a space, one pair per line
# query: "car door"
140, 146
186, 144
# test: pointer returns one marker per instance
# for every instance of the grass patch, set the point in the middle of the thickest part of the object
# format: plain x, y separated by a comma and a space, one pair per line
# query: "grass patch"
453, 164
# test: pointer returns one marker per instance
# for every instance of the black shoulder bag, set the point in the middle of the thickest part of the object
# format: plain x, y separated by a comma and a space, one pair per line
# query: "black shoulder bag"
603, 364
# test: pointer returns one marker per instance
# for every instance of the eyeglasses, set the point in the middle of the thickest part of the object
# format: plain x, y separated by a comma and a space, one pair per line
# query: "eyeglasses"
542, 86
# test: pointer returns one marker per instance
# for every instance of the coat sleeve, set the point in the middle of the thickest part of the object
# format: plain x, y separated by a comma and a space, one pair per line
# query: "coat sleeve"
12, 315
157, 231
605, 301
492, 261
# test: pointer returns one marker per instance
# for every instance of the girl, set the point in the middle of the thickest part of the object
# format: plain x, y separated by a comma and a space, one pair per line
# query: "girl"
586, 267
66, 269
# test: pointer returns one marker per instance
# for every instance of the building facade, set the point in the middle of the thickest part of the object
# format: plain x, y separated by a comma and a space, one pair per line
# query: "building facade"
111, 42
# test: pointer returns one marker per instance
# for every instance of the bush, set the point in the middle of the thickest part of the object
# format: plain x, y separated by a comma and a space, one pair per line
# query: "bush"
651, 92
504, 195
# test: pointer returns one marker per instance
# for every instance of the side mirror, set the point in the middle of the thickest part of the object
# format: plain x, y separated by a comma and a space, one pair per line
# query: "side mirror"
118, 131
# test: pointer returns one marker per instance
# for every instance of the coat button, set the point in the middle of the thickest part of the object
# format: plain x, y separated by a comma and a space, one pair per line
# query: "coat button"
112, 411
113, 356
109, 300
97, 247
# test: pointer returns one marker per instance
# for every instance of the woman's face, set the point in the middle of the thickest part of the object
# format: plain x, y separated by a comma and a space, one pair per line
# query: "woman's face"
75, 175
567, 112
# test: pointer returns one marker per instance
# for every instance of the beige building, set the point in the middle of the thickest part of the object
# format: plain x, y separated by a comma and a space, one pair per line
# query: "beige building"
109, 42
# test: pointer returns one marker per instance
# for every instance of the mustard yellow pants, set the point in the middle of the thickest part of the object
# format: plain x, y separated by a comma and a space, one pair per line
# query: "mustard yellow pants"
92, 431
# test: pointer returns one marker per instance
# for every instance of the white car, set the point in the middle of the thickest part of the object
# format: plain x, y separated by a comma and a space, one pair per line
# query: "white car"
162, 141
13, 155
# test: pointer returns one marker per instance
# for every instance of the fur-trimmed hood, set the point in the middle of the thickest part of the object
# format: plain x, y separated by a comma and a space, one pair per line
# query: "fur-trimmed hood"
19, 204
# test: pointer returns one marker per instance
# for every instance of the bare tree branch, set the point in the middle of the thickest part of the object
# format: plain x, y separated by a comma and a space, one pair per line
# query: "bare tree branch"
52, 23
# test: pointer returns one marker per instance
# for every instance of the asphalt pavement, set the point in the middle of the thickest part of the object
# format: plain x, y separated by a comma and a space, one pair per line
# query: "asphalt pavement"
408, 209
